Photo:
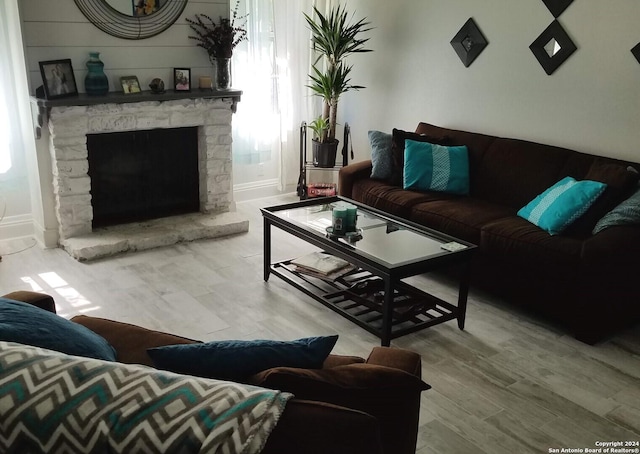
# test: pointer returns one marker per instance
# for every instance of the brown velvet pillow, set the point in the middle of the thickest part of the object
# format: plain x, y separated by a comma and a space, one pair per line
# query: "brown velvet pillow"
398, 137
620, 182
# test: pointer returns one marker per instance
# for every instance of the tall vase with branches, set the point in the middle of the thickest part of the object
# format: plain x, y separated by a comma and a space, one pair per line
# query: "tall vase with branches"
334, 37
219, 39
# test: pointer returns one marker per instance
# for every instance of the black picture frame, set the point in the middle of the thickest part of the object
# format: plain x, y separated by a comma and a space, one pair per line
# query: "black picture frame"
469, 42
58, 79
130, 85
557, 7
182, 79
636, 52
567, 47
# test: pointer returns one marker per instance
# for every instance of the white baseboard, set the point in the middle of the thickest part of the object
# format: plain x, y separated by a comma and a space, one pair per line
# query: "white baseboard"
13, 227
257, 190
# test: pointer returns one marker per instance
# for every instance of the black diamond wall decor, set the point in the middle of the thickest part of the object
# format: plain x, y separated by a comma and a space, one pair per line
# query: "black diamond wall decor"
469, 42
557, 6
636, 52
552, 47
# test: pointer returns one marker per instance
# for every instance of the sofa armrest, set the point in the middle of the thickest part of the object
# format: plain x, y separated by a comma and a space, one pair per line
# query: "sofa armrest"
619, 242
396, 358
349, 174
41, 300
319, 428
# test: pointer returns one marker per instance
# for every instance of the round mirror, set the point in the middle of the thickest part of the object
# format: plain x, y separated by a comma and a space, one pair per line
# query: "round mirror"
132, 19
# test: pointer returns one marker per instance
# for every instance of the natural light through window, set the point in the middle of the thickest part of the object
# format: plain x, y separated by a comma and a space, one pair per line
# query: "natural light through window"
69, 301
5, 155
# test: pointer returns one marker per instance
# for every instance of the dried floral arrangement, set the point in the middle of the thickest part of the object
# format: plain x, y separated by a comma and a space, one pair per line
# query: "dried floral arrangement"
219, 39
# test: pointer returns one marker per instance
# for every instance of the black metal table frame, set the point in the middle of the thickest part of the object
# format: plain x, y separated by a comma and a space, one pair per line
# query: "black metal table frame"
391, 276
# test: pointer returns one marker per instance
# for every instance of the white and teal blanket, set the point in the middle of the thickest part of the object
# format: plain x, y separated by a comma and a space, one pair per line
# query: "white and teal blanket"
54, 403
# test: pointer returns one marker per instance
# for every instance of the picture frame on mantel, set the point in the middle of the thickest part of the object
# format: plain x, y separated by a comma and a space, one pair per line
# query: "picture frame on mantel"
58, 80
130, 85
182, 79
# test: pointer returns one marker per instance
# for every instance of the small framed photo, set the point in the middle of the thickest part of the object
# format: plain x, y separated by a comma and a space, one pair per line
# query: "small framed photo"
58, 79
145, 7
130, 84
182, 79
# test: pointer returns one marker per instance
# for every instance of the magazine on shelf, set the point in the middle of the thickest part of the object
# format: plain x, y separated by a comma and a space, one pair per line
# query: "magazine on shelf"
320, 262
327, 277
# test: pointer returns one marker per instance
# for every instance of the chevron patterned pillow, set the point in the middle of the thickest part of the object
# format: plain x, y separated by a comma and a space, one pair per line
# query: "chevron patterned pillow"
53, 403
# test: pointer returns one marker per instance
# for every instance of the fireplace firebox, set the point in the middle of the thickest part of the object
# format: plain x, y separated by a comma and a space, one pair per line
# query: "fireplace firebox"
141, 175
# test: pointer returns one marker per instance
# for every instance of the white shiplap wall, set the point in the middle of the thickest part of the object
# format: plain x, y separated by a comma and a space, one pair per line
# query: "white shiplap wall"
56, 29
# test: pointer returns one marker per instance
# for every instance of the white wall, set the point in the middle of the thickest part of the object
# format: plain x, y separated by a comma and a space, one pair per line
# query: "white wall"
591, 103
57, 29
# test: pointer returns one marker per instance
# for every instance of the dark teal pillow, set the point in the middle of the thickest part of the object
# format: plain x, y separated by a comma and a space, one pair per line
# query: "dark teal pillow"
26, 324
562, 204
431, 167
381, 155
238, 359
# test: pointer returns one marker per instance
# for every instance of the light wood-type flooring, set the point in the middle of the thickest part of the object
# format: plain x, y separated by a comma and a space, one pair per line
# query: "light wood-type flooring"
509, 383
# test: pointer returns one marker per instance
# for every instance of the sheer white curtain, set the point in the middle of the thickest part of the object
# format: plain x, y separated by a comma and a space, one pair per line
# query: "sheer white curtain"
272, 71
6, 97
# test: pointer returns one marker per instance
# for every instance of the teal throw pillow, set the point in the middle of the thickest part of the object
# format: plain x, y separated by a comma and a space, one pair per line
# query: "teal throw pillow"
563, 203
381, 155
238, 359
26, 324
432, 167
626, 213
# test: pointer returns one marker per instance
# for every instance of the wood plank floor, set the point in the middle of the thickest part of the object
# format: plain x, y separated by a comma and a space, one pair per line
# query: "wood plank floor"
507, 384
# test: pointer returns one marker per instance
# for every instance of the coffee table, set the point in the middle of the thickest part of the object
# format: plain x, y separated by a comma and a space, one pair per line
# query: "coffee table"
374, 295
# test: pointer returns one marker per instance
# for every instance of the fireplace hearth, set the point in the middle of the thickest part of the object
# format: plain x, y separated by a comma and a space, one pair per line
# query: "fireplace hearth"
118, 128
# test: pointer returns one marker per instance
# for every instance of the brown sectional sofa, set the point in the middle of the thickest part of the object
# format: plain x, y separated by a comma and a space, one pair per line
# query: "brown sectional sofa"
350, 406
585, 282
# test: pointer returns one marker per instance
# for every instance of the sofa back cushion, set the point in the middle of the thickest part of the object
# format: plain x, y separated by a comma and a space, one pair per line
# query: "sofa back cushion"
513, 172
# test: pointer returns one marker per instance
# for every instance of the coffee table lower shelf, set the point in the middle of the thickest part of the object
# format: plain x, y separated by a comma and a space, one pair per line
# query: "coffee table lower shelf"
359, 297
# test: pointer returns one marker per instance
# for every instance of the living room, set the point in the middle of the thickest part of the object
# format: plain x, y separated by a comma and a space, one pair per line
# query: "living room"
526, 385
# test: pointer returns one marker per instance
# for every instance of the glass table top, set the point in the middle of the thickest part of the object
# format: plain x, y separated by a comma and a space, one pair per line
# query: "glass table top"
382, 238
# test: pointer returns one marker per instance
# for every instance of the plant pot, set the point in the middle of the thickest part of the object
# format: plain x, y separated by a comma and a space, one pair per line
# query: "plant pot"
324, 154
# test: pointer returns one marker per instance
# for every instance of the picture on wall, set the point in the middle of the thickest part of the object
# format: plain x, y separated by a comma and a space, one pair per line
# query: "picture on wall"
182, 79
58, 79
145, 7
130, 84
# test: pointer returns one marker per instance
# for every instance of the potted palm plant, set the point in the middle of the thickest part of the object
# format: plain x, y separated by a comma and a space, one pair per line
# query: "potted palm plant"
334, 38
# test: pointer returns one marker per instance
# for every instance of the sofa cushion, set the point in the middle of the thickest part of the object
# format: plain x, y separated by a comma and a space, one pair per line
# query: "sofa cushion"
462, 217
435, 167
239, 359
26, 324
381, 156
562, 204
130, 341
397, 146
392, 199
514, 240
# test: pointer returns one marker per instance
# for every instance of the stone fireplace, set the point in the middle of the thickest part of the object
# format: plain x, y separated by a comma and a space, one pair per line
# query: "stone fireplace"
68, 127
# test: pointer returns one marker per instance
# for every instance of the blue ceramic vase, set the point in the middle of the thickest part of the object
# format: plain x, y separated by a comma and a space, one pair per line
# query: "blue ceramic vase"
96, 82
